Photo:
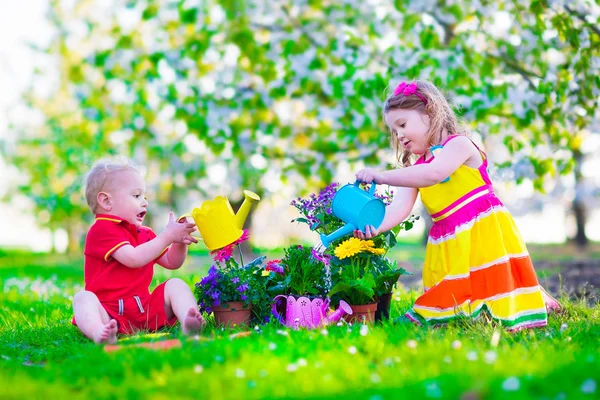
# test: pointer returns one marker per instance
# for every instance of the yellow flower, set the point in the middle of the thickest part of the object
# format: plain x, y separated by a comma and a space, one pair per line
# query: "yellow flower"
349, 248
376, 250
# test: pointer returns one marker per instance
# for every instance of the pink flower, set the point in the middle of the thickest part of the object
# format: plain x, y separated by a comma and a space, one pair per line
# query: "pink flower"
222, 255
275, 266
245, 236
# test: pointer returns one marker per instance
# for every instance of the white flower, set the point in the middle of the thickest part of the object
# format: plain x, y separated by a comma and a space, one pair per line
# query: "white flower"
198, 369
511, 384
589, 386
364, 330
272, 346
472, 356
433, 390
375, 378
412, 344
292, 368
456, 344
324, 332
490, 357
563, 326
352, 350
302, 362
240, 373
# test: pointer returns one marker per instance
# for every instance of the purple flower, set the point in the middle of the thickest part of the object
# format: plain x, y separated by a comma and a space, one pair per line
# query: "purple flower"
275, 266
242, 288
215, 295
324, 258
235, 279
244, 297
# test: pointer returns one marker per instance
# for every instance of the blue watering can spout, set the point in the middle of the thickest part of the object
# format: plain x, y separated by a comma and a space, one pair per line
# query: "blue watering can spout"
335, 235
357, 208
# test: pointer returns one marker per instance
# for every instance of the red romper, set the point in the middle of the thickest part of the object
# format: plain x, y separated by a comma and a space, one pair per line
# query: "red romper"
123, 291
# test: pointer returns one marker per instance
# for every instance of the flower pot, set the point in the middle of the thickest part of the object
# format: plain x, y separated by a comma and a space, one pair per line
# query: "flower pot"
232, 314
383, 307
362, 313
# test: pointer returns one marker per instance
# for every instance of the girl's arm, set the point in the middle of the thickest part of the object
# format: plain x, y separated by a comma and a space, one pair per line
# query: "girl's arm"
174, 257
454, 154
395, 213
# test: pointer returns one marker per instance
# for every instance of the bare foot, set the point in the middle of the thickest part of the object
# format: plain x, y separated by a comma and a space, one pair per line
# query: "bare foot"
108, 334
193, 322
552, 305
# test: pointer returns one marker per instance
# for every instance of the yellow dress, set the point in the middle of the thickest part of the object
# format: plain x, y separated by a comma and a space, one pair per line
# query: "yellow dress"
476, 260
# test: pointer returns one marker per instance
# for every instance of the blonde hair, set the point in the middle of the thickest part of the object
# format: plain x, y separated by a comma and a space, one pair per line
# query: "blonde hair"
97, 178
438, 108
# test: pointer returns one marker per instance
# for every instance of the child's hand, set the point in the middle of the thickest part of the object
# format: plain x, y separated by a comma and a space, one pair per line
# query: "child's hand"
179, 232
369, 175
370, 232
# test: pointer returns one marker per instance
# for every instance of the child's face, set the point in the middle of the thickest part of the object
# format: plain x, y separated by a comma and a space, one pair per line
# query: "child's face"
410, 127
126, 197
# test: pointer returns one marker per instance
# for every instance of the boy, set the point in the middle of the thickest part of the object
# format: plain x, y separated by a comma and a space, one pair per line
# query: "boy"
119, 257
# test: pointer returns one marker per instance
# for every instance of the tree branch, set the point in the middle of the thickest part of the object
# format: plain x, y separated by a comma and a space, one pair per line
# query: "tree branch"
581, 17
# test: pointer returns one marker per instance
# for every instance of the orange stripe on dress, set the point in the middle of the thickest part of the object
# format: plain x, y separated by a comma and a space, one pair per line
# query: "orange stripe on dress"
109, 253
460, 201
500, 278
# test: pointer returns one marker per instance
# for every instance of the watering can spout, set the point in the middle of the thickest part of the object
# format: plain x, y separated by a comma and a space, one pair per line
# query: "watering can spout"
341, 232
242, 213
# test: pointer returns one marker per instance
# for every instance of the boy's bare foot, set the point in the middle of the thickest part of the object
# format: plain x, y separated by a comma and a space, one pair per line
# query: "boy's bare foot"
193, 322
108, 334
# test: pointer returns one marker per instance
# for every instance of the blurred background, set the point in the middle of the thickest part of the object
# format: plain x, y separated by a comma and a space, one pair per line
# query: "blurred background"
282, 98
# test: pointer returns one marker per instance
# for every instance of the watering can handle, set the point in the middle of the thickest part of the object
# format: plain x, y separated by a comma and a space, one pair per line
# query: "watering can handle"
371, 189
184, 216
274, 307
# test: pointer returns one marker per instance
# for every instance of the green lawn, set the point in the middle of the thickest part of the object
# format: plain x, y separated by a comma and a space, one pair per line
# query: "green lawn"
43, 355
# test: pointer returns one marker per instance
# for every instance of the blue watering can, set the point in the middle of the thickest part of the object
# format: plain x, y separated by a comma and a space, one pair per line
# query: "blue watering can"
357, 208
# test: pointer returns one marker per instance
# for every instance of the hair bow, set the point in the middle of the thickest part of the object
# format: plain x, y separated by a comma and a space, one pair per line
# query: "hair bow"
407, 90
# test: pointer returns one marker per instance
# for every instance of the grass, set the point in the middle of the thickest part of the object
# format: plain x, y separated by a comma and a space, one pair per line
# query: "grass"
43, 355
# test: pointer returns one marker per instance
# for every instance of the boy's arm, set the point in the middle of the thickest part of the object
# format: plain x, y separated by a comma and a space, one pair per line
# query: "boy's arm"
174, 257
175, 232
137, 257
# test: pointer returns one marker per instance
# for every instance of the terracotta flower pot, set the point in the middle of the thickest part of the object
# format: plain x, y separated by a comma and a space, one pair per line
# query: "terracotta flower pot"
362, 312
383, 307
233, 314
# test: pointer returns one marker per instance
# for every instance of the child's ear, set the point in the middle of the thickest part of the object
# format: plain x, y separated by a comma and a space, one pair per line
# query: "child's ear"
104, 200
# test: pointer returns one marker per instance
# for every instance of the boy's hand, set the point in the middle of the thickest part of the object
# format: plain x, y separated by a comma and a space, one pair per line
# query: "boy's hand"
369, 175
179, 232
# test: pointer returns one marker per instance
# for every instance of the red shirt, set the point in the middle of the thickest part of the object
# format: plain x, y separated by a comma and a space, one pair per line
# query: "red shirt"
106, 277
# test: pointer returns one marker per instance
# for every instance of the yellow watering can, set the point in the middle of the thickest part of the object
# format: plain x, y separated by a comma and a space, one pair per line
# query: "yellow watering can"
218, 225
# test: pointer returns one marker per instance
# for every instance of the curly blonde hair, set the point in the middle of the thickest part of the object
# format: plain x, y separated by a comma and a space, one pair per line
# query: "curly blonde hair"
438, 108
97, 179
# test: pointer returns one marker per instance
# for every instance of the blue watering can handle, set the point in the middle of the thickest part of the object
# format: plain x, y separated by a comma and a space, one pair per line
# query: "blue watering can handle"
371, 189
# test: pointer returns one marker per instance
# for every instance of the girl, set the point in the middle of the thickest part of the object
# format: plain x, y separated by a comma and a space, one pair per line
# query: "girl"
476, 259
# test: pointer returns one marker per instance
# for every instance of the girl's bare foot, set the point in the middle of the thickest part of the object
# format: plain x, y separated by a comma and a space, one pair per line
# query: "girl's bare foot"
193, 322
108, 334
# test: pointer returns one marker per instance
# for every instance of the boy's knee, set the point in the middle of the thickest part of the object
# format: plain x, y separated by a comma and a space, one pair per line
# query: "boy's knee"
84, 296
176, 282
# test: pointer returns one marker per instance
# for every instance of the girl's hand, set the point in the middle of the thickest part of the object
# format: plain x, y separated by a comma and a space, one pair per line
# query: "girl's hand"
370, 232
179, 232
369, 175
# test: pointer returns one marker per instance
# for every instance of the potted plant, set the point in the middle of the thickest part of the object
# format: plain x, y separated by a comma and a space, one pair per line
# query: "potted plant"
228, 289
303, 285
353, 277
367, 268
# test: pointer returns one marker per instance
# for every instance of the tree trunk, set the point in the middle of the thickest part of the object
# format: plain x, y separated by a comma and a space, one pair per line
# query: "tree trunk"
578, 206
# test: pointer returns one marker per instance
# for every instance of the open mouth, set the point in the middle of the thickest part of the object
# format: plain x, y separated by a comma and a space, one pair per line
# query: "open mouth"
406, 143
141, 215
